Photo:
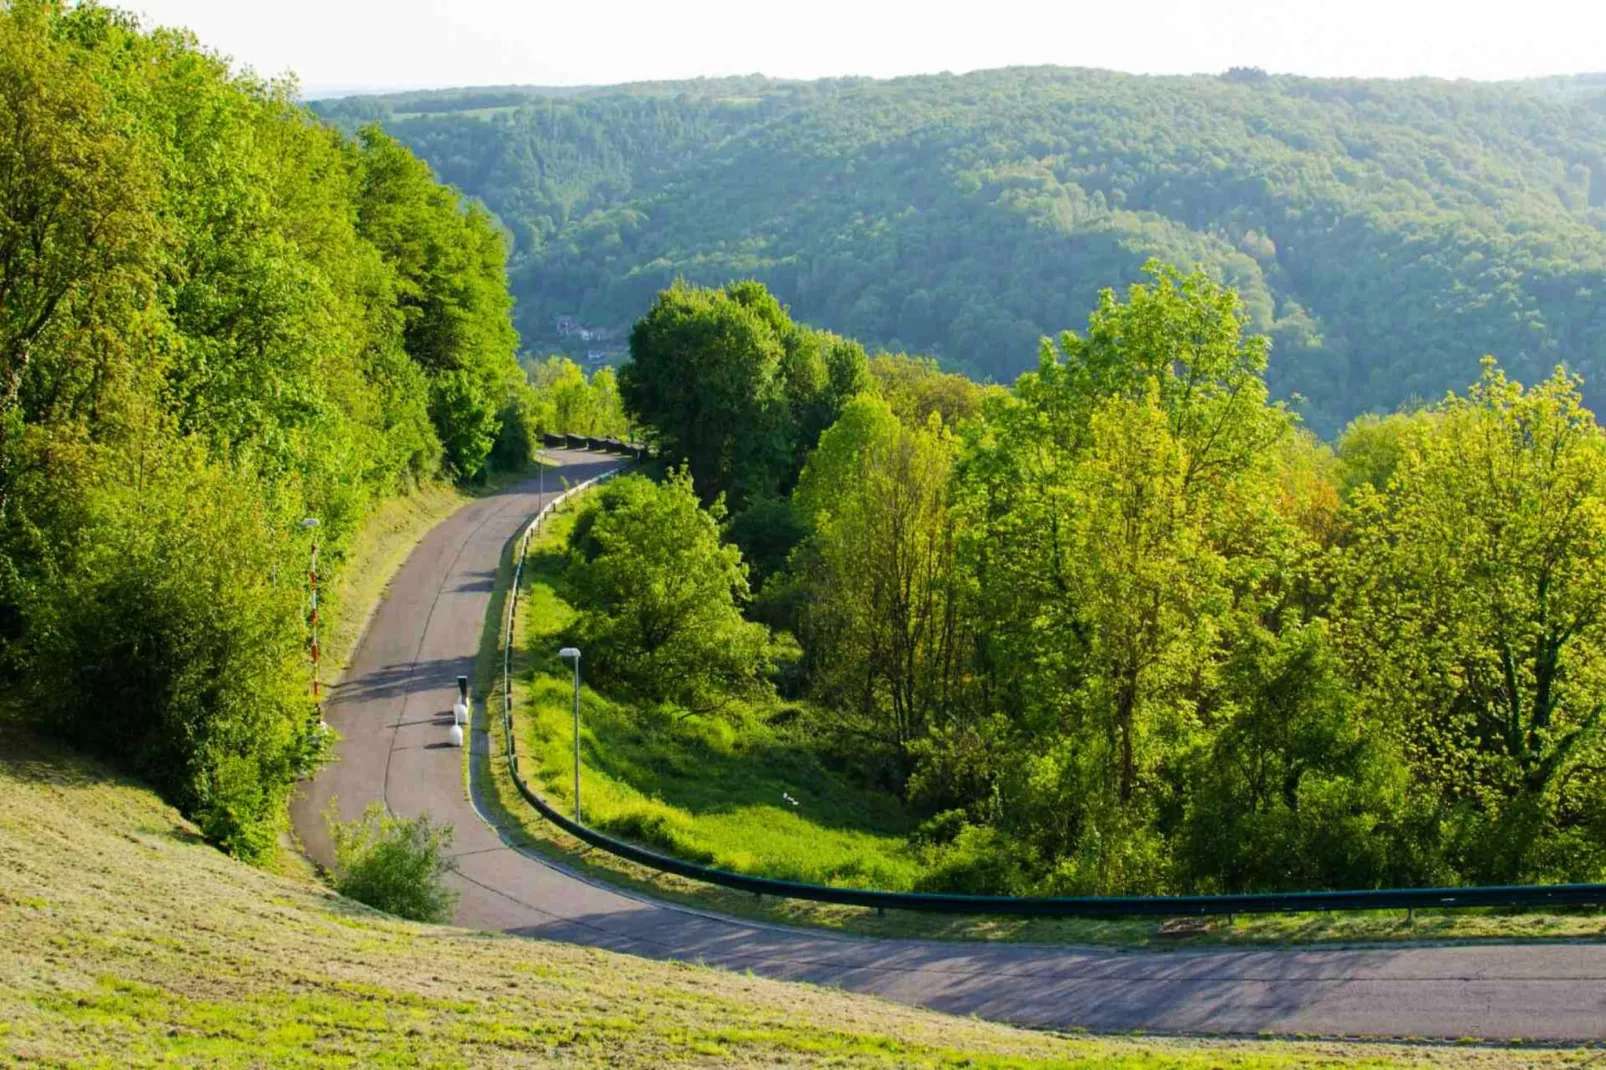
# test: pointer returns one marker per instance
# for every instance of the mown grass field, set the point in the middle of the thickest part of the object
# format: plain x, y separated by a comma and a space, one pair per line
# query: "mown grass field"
693, 790
128, 942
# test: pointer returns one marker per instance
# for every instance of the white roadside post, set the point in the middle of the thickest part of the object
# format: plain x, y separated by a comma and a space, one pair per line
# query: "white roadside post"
459, 713
573, 652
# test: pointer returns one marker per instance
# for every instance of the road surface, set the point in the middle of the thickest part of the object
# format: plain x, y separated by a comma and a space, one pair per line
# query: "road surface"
393, 710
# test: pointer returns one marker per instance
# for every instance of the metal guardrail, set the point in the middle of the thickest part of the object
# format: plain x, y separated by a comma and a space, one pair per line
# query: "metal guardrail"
600, 445
1518, 895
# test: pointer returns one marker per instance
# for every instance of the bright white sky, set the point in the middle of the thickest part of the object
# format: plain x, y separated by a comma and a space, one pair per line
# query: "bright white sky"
344, 45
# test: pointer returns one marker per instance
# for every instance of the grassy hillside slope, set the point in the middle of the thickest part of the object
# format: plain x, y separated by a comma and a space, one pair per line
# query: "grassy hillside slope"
129, 942
126, 941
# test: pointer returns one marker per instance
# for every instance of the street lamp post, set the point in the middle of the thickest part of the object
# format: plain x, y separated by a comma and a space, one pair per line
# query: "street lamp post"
573, 652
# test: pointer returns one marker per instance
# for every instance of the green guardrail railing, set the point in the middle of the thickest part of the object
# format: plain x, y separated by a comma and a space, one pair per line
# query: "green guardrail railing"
1554, 895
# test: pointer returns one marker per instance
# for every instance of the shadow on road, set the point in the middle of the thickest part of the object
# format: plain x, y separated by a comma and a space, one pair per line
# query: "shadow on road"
392, 681
1217, 991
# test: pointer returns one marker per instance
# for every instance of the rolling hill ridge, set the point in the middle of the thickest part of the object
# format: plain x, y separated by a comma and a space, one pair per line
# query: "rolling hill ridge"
1385, 234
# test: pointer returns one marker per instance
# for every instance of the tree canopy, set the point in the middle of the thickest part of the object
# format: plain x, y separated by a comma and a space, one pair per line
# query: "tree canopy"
1384, 235
1129, 628
219, 318
660, 597
723, 381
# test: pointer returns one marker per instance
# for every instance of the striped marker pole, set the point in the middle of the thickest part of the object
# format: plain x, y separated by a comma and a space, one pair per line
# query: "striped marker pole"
310, 523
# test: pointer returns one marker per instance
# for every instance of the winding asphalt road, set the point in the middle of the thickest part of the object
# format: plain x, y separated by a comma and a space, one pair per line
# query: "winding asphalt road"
393, 712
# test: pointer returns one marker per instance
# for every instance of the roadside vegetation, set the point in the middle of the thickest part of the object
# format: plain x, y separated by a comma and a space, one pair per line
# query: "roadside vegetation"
700, 788
1123, 629
128, 941
222, 321
666, 783
394, 864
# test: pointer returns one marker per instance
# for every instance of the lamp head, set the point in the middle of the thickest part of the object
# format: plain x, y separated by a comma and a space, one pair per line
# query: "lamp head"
569, 652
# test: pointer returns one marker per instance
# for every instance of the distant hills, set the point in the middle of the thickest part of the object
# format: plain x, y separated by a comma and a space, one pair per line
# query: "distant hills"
1385, 234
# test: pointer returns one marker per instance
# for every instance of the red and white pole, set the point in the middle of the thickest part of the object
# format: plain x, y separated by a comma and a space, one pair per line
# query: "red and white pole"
312, 582
309, 524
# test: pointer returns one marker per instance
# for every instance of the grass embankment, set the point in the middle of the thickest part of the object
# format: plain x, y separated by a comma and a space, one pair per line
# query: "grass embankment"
695, 790
127, 941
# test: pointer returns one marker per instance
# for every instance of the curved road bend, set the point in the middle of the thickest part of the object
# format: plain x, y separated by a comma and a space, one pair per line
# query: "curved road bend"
393, 710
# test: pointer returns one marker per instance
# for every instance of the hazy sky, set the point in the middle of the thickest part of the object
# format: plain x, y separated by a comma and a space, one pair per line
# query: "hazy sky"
349, 44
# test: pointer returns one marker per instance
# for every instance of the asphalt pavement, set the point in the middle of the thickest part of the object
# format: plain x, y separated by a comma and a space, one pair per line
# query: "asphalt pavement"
393, 711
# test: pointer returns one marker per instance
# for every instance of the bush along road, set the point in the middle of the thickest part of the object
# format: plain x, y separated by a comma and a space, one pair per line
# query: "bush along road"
394, 710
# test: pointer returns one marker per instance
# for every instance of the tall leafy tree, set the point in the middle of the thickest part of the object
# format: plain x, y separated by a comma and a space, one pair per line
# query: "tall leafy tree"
705, 383
660, 598
1473, 608
881, 626
449, 259
725, 382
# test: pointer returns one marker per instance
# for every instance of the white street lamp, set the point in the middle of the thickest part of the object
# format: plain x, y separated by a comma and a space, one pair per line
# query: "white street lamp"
574, 652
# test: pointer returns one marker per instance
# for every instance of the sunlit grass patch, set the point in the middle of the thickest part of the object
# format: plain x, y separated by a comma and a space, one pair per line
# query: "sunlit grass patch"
151, 948
696, 787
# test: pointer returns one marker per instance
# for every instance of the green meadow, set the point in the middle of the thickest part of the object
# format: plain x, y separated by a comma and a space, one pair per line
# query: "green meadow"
695, 787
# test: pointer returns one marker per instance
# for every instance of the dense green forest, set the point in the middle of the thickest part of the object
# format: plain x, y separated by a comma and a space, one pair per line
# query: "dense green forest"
219, 318
1127, 627
1384, 235
1123, 626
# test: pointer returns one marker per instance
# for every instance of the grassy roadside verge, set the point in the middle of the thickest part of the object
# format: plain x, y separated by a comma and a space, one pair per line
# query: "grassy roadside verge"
129, 942
544, 743
743, 798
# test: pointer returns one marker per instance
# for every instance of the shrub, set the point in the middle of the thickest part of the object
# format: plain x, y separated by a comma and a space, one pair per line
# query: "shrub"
172, 642
394, 864
660, 597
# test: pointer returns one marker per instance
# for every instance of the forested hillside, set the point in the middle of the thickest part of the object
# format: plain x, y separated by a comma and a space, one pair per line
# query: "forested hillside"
1385, 235
221, 322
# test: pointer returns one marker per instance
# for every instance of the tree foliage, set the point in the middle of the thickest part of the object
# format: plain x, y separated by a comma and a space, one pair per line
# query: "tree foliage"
1472, 606
1384, 234
880, 627
724, 382
218, 317
1128, 628
660, 598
